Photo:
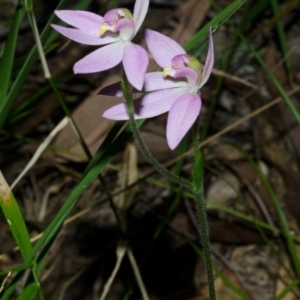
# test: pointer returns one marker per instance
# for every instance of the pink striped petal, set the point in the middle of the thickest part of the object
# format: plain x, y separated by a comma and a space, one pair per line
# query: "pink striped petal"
209, 60
155, 81
149, 106
139, 13
85, 21
135, 64
101, 59
112, 16
183, 113
81, 37
162, 47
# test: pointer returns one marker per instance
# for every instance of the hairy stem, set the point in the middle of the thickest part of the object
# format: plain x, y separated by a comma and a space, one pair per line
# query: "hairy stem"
201, 211
130, 109
196, 187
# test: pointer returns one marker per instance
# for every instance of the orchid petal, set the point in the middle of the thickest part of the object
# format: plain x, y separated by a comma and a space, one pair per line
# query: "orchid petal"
81, 37
125, 27
182, 115
148, 106
139, 13
209, 60
112, 16
101, 59
85, 21
135, 64
155, 81
190, 74
162, 47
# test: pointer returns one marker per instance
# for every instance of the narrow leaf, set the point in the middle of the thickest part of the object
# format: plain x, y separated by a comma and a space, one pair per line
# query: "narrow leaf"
287, 289
7, 58
282, 37
47, 35
14, 218
275, 81
94, 168
29, 292
216, 22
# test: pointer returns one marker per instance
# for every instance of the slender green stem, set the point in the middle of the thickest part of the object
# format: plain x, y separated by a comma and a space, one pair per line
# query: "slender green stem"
130, 109
36, 279
198, 159
196, 187
202, 219
201, 211
282, 38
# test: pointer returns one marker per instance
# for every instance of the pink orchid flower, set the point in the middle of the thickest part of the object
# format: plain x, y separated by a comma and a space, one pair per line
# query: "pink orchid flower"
116, 29
176, 89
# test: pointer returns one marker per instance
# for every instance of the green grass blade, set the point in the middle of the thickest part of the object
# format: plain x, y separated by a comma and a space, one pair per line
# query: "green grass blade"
105, 145
279, 87
216, 22
197, 39
29, 292
226, 58
44, 254
19, 231
282, 38
17, 269
47, 35
228, 210
95, 167
31, 59
14, 218
284, 223
287, 289
103, 156
73, 124
7, 58
286, 8
249, 17
260, 225
12, 286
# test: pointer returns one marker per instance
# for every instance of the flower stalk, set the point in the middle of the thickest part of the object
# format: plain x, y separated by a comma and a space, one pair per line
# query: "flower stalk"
127, 91
201, 210
196, 187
